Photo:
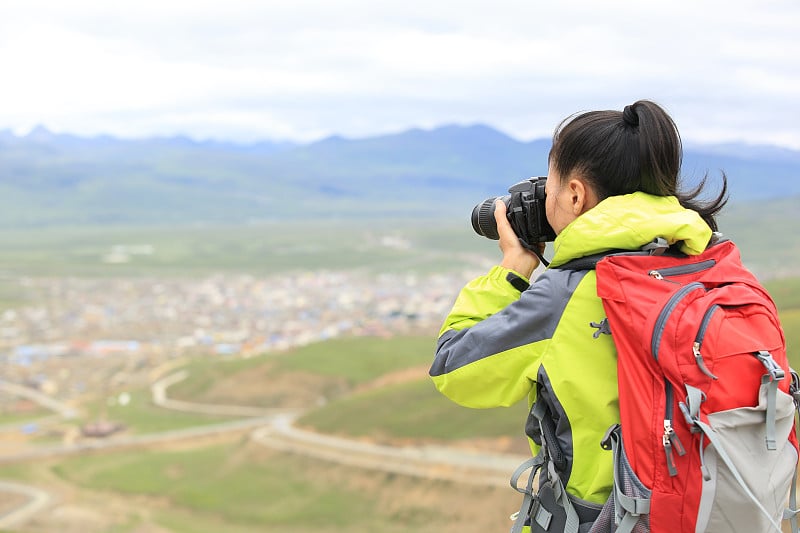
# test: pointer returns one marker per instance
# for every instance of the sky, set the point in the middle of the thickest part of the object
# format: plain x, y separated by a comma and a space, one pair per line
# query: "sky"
302, 70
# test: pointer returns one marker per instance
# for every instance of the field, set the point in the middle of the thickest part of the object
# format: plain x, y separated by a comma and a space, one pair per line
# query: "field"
371, 389
374, 245
368, 388
418, 245
233, 484
140, 416
786, 293
238, 486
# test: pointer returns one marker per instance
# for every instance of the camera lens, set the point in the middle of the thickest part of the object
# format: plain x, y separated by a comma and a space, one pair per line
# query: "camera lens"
483, 219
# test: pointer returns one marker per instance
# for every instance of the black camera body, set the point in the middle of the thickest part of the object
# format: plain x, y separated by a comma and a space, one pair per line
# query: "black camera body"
524, 210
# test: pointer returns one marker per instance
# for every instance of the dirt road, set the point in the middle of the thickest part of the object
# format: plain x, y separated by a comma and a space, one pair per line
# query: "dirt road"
275, 429
432, 462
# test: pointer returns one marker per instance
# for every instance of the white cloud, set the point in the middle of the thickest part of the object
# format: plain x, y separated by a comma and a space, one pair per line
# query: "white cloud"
303, 69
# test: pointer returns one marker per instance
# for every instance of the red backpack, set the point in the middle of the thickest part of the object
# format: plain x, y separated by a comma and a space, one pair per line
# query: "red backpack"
706, 396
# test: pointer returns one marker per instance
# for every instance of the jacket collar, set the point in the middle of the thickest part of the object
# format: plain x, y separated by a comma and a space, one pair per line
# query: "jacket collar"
628, 222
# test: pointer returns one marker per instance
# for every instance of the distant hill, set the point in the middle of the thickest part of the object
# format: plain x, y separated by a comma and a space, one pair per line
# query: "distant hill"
50, 179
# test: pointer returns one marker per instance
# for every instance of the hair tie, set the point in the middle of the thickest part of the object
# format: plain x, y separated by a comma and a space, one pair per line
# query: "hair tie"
629, 116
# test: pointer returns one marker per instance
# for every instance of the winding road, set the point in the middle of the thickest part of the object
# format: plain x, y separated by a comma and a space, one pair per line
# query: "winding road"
433, 462
273, 428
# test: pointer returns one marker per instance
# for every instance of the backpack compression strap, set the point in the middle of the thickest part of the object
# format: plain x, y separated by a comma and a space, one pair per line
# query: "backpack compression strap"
534, 464
520, 517
548, 457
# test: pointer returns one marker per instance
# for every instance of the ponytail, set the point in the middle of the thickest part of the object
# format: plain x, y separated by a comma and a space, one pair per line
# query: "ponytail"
637, 149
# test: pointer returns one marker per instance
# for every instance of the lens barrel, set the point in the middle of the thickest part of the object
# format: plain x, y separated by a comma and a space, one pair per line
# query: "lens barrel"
483, 221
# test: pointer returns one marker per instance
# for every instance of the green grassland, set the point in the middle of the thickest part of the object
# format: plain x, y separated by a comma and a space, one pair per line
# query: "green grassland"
142, 416
257, 249
786, 293
220, 487
359, 360
790, 320
764, 234
12, 294
13, 418
423, 412
415, 411
409, 409
238, 486
204, 373
333, 368
377, 244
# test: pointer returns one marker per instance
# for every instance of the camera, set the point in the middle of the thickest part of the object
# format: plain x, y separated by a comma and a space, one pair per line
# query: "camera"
525, 211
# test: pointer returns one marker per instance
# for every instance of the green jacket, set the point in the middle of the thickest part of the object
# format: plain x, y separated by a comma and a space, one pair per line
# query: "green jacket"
497, 344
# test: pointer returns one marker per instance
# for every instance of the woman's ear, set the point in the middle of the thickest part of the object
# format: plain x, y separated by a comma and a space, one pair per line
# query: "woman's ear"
582, 196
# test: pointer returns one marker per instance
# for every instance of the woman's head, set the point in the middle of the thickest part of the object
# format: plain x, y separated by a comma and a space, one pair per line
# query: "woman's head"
621, 152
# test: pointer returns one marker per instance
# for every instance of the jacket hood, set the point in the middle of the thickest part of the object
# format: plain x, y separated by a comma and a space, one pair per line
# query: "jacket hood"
628, 222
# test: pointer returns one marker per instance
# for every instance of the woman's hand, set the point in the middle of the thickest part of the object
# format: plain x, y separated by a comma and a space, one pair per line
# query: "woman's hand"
515, 256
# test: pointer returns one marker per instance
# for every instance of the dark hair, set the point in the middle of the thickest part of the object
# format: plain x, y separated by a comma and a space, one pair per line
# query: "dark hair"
637, 149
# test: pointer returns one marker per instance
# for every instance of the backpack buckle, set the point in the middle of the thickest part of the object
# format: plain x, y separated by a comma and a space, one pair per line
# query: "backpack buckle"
774, 371
606, 443
690, 409
770, 380
657, 246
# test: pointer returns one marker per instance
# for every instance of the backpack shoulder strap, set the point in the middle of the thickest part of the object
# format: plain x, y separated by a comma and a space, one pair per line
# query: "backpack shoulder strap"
657, 246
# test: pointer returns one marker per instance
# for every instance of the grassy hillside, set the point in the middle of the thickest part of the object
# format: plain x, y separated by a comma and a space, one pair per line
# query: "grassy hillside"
415, 410
372, 387
338, 367
304, 377
142, 416
238, 486
378, 390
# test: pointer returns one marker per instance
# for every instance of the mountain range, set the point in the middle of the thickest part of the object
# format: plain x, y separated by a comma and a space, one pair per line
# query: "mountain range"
49, 179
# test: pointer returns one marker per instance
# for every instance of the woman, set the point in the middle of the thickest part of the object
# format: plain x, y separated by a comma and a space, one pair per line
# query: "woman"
612, 184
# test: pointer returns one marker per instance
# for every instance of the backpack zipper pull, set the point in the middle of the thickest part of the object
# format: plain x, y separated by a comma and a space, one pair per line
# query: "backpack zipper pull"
698, 357
668, 440
655, 274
